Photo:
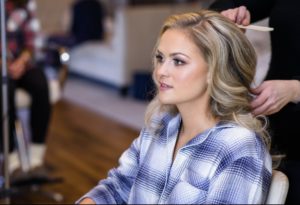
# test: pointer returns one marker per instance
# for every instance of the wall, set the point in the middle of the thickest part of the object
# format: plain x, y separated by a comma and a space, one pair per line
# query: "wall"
53, 15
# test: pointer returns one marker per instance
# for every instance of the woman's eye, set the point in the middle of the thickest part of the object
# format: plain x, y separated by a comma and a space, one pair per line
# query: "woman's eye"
158, 58
178, 62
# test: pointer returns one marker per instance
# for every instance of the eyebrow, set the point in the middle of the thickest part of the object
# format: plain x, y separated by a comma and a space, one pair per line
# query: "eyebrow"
174, 54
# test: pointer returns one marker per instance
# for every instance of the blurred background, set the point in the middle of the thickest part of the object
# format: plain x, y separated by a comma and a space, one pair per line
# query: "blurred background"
97, 60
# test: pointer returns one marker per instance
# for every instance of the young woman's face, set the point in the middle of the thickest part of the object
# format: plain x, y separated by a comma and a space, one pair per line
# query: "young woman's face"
180, 69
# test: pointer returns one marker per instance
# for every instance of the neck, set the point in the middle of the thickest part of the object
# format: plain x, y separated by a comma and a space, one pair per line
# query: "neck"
196, 119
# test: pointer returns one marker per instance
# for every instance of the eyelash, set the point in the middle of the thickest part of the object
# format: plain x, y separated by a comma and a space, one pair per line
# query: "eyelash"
177, 62
158, 58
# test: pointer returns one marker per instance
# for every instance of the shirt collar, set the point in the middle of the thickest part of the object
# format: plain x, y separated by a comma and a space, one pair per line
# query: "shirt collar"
173, 124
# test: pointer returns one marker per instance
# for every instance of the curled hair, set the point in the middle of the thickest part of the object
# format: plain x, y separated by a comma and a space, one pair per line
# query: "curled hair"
231, 61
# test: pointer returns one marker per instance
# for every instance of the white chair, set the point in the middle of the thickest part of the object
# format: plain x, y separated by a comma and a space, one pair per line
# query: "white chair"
26, 178
23, 101
278, 189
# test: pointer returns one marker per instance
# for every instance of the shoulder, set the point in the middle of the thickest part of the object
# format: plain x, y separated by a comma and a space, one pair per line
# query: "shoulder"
232, 133
239, 144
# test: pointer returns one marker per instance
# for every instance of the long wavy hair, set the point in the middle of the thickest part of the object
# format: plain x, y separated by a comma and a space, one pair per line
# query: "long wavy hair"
231, 61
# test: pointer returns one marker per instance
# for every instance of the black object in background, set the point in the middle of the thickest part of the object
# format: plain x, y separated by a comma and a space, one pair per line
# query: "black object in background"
143, 86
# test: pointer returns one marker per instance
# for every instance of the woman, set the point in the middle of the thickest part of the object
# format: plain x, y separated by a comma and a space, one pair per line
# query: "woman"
25, 73
201, 143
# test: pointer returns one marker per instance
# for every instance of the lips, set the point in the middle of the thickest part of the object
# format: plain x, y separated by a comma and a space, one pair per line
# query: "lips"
164, 86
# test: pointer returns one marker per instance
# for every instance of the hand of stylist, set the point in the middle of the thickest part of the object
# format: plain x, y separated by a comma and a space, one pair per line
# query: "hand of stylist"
272, 95
239, 15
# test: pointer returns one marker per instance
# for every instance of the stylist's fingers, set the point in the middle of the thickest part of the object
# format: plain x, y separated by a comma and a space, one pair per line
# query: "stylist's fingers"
230, 13
239, 15
260, 104
247, 20
259, 100
243, 16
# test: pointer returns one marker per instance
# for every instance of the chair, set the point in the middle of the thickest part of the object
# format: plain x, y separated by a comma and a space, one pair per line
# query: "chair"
23, 100
278, 189
25, 178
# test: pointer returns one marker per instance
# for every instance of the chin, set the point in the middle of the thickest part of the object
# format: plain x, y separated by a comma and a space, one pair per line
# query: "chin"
166, 101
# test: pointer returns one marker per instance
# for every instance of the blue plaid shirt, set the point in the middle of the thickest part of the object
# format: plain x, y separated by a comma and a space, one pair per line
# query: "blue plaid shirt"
226, 164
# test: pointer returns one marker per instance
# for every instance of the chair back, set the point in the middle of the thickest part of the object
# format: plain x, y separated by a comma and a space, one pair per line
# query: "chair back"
278, 189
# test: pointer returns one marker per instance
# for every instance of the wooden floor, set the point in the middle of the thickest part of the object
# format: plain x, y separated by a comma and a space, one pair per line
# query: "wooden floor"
81, 147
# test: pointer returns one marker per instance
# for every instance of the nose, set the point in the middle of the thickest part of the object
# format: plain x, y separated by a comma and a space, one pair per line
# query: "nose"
162, 70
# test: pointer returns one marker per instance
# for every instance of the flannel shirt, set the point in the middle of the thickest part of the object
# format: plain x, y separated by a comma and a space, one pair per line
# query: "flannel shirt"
21, 29
226, 164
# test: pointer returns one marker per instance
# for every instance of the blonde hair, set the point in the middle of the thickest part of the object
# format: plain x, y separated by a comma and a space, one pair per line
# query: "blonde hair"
231, 59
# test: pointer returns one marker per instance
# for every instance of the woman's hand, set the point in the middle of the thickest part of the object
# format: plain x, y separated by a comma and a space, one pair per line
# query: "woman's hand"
273, 95
87, 201
16, 69
239, 15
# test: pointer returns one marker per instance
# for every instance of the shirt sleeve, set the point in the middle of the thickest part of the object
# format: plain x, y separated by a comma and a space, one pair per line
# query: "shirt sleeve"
244, 181
259, 9
116, 187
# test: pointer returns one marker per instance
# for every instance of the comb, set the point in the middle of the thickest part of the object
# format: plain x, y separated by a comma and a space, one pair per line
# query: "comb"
256, 28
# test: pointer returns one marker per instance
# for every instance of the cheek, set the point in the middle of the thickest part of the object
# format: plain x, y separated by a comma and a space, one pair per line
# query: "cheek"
155, 76
193, 85
192, 79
